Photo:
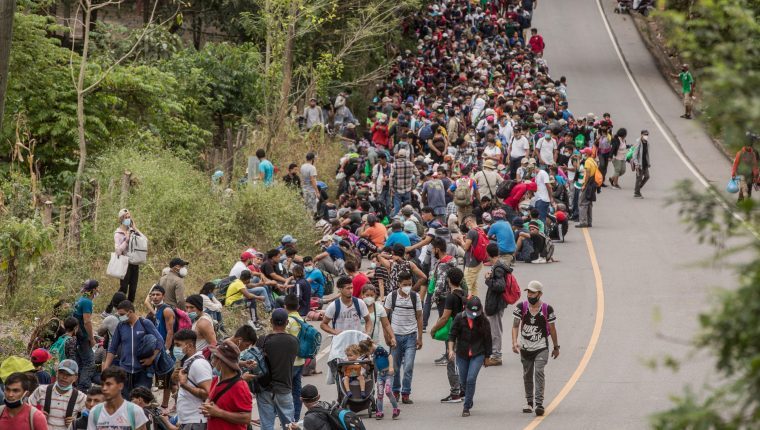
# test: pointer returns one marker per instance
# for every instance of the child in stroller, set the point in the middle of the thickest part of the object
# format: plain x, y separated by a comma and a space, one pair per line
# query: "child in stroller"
354, 371
346, 370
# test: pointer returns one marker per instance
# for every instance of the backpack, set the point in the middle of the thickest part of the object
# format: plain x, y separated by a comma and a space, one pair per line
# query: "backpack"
337, 309
31, 415
512, 294
631, 151
57, 349
426, 132
604, 145
598, 178
394, 296
309, 339
131, 407
222, 285
137, 250
69, 407
463, 193
182, 320
503, 190
479, 249
339, 418
544, 312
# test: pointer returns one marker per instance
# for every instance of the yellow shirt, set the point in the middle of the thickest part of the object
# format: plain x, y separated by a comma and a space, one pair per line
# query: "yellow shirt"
590, 170
234, 292
294, 328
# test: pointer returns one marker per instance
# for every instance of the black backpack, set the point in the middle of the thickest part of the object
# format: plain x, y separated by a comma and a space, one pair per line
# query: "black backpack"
394, 296
503, 190
339, 418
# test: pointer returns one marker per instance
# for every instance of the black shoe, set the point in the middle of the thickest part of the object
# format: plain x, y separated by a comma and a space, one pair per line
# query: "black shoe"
465, 412
638, 196
582, 225
539, 410
452, 398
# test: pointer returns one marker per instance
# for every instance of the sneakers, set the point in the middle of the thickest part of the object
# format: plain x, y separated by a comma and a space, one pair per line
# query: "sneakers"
616, 187
396, 394
465, 412
528, 408
493, 361
638, 196
378, 415
424, 329
539, 410
441, 361
539, 260
396, 413
581, 225
406, 400
452, 398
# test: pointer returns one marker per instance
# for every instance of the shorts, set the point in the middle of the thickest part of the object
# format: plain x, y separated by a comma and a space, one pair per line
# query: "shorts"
619, 166
687, 100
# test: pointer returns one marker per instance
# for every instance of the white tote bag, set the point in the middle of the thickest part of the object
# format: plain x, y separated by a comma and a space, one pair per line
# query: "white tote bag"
117, 266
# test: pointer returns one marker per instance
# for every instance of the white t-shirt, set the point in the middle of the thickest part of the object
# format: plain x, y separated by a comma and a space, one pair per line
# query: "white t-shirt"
120, 420
188, 406
520, 147
542, 193
307, 171
237, 269
404, 316
58, 405
348, 318
377, 324
492, 152
546, 146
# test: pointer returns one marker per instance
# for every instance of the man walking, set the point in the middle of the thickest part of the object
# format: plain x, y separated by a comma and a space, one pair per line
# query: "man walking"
275, 395
194, 380
346, 313
687, 87
588, 189
640, 163
534, 322
745, 169
86, 334
116, 411
313, 115
402, 181
15, 413
472, 265
60, 401
496, 282
309, 181
406, 308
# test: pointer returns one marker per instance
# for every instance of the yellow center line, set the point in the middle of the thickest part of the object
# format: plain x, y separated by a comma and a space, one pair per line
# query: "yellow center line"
592, 341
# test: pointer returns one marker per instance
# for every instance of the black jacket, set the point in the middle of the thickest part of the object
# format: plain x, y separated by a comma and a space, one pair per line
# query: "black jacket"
477, 339
497, 283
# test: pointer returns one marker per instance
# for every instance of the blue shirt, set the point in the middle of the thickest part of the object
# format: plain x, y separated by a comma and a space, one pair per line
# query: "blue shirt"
505, 238
335, 252
398, 237
266, 167
82, 306
127, 340
317, 281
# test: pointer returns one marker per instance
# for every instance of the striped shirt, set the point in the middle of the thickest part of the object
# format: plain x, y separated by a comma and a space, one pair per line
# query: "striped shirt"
58, 404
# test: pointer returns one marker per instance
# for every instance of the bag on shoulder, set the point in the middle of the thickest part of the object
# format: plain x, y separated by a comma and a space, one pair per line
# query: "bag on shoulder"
339, 418
58, 348
222, 284
182, 320
479, 251
309, 339
512, 293
117, 266
503, 190
337, 309
463, 193
137, 251
131, 408
598, 178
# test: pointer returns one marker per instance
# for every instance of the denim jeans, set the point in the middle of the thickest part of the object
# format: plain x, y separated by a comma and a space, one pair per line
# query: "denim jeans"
403, 354
385, 198
297, 403
426, 308
383, 387
399, 199
263, 291
137, 379
86, 361
272, 405
543, 210
469, 367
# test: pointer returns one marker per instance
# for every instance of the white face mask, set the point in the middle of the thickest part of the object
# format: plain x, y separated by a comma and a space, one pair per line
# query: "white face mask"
369, 301
183, 272
406, 290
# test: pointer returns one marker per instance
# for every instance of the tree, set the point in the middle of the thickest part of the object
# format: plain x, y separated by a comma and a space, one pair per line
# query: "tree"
7, 9
22, 244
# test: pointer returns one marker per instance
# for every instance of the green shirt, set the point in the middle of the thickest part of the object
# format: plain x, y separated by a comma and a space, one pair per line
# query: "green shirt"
687, 82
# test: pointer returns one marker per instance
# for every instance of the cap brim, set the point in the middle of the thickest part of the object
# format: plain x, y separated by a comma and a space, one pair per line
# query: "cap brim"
473, 315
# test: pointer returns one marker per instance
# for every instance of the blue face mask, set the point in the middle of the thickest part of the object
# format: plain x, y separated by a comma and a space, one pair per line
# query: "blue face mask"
127, 222
193, 315
216, 372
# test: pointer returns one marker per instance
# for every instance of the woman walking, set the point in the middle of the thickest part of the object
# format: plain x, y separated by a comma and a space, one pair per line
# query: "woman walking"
121, 237
470, 344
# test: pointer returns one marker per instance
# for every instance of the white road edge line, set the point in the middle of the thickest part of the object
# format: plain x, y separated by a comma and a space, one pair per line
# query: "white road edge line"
676, 148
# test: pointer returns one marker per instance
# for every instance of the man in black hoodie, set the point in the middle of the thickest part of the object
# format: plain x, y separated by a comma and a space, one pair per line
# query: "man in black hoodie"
494, 307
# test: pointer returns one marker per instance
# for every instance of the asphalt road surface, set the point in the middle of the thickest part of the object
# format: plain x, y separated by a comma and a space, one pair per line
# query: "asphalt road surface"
652, 277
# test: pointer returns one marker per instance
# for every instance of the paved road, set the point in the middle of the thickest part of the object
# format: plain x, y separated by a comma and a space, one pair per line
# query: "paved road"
645, 259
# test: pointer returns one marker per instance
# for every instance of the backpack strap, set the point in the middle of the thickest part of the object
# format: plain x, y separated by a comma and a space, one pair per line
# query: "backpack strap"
31, 417
96, 413
48, 398
545, 312
72, 403
226, 388
337, 312
131, 414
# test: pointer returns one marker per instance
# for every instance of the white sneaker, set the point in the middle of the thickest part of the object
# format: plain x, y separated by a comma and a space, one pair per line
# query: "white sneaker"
528, 408
539, 260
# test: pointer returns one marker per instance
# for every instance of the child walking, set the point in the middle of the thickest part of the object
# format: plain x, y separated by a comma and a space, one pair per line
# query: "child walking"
384, 366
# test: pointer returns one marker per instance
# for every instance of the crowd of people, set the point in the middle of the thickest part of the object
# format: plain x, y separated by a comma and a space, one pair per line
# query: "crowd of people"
471, 162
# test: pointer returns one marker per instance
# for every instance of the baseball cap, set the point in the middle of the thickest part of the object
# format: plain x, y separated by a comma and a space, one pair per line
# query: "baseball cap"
246, 255
288, 239
69, 366
40, 356
535, 286
474, 308
176, 261
645, 132
279, 317
587, 151
309, 393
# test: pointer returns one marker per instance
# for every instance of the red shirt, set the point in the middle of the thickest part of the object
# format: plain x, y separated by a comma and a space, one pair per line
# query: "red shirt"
536, 44
359, 281
236, 399
21, 420
517, 193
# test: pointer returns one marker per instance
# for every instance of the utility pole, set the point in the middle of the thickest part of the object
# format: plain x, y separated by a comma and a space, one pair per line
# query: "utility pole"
7, 8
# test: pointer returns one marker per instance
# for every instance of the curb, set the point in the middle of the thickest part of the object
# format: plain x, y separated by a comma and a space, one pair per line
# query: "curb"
665, 67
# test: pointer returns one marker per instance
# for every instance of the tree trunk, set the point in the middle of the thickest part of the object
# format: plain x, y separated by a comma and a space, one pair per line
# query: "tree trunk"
66, 22
76, 197
7, 9
197, 25
229, 164
287, 64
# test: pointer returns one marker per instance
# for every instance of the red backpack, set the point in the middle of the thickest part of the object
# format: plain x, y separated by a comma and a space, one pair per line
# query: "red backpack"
512, 293
479, 249
183, 319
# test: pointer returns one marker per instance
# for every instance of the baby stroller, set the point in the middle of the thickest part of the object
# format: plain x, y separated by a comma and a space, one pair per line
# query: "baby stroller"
337, 364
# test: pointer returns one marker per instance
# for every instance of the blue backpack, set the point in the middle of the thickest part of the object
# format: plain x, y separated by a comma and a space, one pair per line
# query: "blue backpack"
309, 339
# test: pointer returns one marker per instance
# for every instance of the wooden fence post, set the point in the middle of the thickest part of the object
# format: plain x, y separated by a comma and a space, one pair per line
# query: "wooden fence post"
230, 158
62, 225
125, 187
97, 205
47, 213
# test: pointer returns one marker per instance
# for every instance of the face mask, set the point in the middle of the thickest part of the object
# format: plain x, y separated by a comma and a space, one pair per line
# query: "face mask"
369, 301
373, 266
127, 222
406, 290
123, 318
192, 315
64, 389
183, 272
643, 138
14, 405
216, 372
532, 300
308, 269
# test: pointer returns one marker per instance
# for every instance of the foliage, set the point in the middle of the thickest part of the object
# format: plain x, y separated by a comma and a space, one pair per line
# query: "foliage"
22, 244
731, 330
721, 38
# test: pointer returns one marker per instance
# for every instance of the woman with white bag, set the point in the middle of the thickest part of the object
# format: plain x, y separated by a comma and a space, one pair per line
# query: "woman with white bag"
121, 238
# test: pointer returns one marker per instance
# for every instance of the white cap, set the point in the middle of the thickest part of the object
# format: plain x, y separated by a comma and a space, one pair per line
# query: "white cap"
535, 286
